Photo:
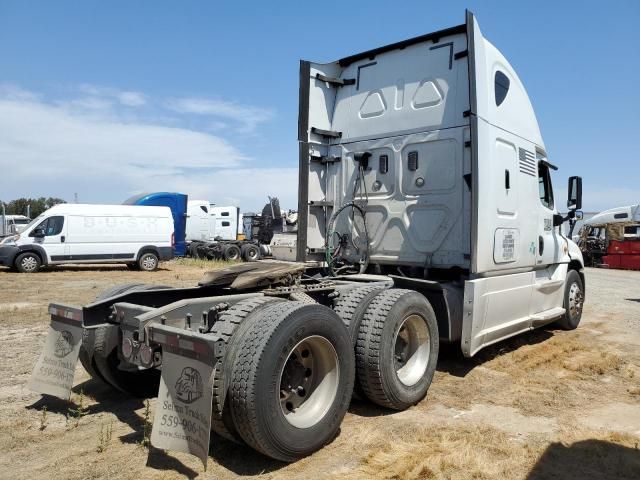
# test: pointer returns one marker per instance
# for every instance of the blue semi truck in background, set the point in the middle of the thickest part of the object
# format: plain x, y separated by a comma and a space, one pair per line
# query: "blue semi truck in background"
177, 202
205, 230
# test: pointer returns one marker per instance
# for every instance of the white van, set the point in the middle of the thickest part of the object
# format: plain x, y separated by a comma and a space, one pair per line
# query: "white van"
139, 236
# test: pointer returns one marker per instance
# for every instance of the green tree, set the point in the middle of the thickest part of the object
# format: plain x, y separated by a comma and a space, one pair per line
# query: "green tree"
38, 205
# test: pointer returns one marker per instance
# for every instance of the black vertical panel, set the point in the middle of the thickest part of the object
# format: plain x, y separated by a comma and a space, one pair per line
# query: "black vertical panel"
303, 101
303, 201
303, 160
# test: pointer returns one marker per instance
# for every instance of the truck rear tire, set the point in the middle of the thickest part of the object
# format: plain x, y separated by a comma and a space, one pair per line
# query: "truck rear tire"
351, 306
397, 348
573, 301
231, 252
28, 262
292, 379
89, 361
230, 326
250, 252
137, 383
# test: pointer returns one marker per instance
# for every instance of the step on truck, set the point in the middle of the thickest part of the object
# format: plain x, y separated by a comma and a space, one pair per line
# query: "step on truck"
426, 216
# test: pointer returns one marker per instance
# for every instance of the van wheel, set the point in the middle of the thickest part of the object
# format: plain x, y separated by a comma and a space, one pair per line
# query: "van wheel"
292, 380
148, 262
231, 252
28, 262
573, 301
250, 253
397, 348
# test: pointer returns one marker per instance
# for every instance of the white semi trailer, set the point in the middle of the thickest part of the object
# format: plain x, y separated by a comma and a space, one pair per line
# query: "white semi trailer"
426, 215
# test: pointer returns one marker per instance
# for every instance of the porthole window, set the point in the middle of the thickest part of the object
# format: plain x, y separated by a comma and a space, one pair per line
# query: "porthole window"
501, 87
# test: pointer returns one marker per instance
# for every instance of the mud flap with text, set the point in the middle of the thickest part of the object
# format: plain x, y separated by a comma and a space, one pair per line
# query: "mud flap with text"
182, 420
55, 369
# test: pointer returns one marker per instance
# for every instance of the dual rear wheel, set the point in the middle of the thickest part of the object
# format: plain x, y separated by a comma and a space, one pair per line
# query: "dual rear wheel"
287, 376
395, 336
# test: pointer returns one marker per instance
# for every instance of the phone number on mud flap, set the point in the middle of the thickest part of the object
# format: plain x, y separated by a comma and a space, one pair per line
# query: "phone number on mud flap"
173, 421
56, 373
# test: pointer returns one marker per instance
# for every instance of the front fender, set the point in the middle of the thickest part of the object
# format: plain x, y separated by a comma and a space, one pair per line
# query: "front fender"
575, 254
34, 247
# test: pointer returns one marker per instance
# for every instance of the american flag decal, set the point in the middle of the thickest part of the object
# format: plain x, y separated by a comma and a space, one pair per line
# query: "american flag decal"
527, 162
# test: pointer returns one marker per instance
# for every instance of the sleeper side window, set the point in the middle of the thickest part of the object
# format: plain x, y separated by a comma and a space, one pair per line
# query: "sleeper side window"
501, 87
544, 186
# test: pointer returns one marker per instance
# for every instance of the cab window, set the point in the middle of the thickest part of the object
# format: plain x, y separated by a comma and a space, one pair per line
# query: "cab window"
544, 186
501, 84
51, 226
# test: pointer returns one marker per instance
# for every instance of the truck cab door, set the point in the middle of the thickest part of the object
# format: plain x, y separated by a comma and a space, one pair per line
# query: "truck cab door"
549, 243
550, 249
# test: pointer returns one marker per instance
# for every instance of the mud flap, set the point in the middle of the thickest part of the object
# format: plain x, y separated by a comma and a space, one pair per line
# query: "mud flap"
55, 369
182, 420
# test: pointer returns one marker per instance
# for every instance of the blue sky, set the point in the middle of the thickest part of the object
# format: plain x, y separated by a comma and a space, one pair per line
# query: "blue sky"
108, 99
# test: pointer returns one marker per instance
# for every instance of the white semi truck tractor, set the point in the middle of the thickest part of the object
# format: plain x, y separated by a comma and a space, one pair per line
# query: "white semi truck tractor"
426, 215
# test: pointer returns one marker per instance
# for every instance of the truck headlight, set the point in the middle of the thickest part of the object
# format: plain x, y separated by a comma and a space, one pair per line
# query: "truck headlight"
10, 240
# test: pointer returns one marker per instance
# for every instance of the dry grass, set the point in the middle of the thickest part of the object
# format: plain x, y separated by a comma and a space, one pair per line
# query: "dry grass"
477, 452
203, 264
550, 378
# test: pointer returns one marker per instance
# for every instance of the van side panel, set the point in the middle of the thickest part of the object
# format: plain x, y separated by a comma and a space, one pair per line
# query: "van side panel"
95, 237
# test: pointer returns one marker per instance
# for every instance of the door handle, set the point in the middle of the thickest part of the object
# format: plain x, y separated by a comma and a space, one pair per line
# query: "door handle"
62, 239
540, 245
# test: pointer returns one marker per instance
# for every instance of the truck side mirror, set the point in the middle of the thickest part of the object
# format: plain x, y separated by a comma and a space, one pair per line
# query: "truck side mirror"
38, 233
574, 193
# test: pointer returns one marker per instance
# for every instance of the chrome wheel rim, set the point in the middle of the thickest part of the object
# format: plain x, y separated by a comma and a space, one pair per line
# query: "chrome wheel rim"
308, 382
235, 254
576, 300
149, 262
252, 254
29, 264
411, 350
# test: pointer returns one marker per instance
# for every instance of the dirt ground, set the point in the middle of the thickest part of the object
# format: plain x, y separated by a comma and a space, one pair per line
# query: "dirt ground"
547, 404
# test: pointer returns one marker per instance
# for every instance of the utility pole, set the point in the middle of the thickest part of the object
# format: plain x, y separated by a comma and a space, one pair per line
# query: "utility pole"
75, 197
4, 221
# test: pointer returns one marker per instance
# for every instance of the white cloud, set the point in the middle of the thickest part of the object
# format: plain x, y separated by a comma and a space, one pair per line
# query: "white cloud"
248, 117
248, 188
132, 99
91, 146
